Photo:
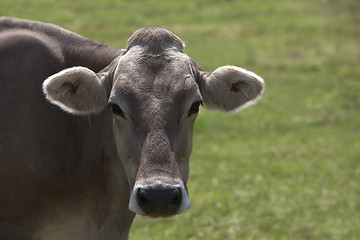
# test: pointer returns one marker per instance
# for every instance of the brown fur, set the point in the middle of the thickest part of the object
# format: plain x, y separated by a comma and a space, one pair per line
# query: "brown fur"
156, 40
75, 177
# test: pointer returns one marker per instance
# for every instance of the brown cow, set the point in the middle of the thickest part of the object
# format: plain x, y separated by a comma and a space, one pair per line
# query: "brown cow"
125, 146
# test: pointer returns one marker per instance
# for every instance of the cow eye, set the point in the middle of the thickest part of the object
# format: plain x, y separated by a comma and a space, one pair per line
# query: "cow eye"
117, 110
194, 108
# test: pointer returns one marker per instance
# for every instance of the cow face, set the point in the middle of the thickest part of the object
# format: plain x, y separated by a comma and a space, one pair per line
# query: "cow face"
155, 106
154, 91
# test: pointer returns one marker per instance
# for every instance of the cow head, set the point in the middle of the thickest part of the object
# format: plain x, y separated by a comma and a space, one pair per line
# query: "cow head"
154, 91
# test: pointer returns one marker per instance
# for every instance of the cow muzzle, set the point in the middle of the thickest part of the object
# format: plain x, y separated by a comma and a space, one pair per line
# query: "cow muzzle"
157, 198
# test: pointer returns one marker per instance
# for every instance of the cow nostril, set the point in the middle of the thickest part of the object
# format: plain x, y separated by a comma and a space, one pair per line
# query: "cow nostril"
142, 199
176, 201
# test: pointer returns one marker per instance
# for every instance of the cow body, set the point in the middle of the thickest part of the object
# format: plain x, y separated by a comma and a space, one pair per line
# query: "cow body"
124, 149
55, 168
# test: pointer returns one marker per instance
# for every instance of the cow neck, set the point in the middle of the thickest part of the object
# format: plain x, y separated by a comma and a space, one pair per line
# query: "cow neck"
92, 55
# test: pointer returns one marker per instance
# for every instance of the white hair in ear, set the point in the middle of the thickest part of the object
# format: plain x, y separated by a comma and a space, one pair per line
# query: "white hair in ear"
231, 88
76, 90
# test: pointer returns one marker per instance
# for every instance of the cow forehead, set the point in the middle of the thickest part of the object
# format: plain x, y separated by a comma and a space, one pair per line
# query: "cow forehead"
165, 75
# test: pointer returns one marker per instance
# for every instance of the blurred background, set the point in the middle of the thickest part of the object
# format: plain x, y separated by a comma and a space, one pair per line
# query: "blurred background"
286, 168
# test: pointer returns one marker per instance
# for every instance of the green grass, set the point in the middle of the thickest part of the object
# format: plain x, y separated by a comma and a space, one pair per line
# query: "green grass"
287, 168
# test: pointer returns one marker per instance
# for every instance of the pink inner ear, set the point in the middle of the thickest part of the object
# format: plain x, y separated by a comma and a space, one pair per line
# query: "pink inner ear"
236, 86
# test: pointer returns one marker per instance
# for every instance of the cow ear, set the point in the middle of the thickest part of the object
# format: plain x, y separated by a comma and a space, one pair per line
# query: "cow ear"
230, 88
77, 90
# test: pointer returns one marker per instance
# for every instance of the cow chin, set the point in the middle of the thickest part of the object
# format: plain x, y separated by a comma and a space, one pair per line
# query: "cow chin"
159, 198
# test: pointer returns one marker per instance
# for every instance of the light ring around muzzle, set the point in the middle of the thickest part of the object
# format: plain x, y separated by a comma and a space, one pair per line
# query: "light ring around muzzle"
159, 187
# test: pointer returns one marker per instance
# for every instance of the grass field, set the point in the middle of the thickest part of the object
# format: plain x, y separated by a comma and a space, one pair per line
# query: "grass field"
287, 168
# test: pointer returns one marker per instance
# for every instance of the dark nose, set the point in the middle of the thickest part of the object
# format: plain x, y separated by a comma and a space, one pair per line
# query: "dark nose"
159, 200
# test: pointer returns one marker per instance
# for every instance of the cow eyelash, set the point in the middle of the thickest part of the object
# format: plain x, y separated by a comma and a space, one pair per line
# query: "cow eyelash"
194, 108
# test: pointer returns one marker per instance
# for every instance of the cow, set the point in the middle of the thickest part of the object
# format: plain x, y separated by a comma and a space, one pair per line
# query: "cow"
91, 136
